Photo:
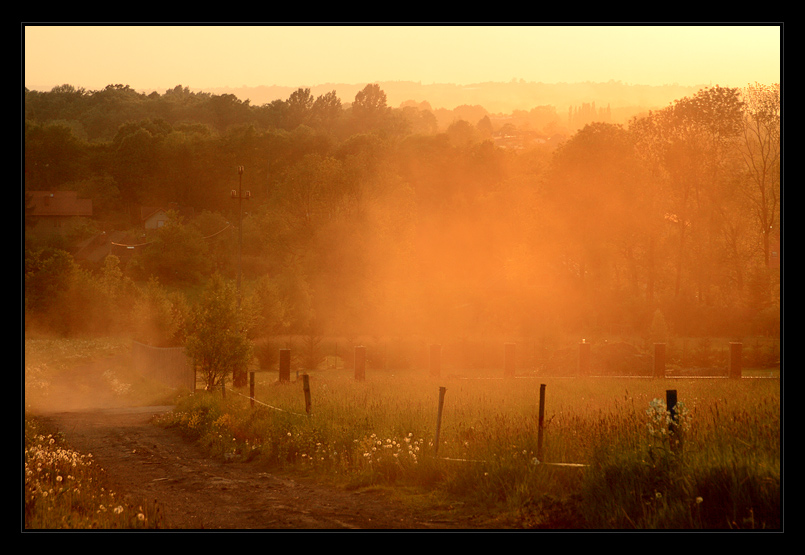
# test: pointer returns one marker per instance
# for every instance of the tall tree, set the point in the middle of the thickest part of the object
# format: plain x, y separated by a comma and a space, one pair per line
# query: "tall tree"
300, 104
326, 111
593, 189
709, 123
369, 110
53, 156
692, 143
176, 254
761, 156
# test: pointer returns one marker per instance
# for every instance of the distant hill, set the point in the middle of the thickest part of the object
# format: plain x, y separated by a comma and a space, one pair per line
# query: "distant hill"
495, 97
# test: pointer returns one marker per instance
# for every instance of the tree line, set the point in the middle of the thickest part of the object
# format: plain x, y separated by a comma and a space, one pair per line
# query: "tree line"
369, 220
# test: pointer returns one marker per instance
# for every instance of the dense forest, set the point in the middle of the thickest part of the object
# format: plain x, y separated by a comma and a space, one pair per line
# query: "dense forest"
365, 219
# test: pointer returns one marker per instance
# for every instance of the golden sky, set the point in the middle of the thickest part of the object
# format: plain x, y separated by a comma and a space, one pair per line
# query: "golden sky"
203, 57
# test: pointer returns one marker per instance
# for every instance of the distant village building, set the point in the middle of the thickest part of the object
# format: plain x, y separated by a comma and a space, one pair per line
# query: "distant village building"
57, 211
154, 217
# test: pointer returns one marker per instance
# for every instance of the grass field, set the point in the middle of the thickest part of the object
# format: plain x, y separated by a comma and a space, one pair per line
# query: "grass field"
608, 459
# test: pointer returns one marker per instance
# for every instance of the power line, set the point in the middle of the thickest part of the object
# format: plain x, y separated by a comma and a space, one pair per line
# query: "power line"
228, 225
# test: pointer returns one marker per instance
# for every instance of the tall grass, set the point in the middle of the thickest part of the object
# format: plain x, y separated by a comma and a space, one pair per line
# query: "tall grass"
65, 489
720, 469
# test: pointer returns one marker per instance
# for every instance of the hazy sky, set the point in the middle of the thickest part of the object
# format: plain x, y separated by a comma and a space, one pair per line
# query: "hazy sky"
202, 57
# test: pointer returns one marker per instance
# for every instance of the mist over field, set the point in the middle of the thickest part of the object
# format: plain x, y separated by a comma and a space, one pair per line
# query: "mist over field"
351, 217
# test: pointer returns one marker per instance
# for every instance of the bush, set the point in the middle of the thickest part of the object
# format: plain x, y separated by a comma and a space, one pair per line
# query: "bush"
216, 342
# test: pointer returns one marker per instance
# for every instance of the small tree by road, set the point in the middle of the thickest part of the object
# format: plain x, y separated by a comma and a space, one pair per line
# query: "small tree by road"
216, 342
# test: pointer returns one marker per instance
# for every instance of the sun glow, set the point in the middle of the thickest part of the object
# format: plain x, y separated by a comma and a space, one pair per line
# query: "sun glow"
218, 56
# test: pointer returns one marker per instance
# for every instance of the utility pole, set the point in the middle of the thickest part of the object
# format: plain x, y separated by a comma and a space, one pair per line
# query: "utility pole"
239, 379
240, 195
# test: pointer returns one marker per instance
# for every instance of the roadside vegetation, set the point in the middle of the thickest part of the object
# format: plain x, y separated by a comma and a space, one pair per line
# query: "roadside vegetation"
65, 489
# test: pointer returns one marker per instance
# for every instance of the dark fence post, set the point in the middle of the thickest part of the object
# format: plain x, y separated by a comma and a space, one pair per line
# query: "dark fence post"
360, 363
439, 421
285, 365
435, 360
659, 360
508, 360
306, 389
541, 420
584, 358
736, 365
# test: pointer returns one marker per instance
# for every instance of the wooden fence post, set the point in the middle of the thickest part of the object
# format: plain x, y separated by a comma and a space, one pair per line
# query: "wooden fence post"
285, 365
439, 421
306, 389
541, 420
659, 360
435, 361
360, 363
584, 358
251, 389
736, 364
508, 360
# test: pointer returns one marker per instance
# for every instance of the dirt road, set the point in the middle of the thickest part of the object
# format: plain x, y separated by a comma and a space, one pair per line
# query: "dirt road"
146, 463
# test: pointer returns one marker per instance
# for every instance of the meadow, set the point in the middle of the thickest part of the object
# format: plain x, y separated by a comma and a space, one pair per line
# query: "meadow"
608, 459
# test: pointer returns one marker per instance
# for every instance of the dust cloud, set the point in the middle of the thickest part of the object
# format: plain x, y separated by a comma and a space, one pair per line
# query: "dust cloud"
99, 385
